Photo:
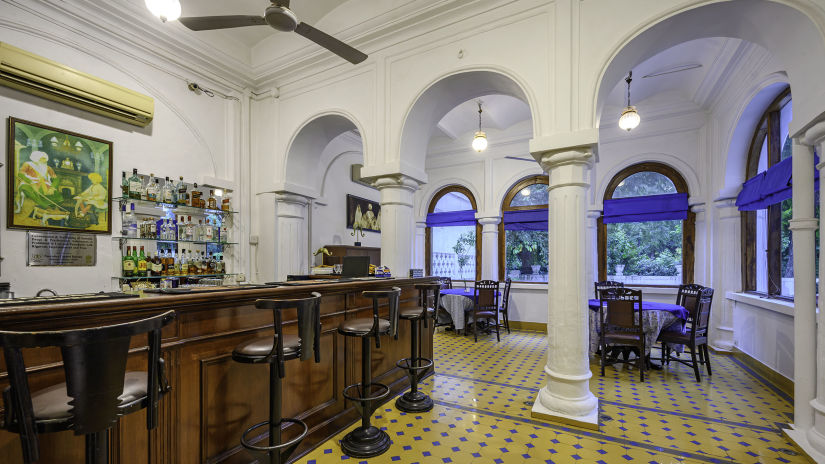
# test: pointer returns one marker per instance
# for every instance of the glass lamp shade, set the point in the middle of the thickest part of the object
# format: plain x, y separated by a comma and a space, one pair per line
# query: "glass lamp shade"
629, 119
480, 141
166, 10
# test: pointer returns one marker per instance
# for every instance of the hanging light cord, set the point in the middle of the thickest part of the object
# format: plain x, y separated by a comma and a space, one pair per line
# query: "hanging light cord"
628, 79
479, 115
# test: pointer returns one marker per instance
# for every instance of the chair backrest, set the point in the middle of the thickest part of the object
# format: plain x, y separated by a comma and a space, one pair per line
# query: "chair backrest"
486, 295
699, 314
429, 297
688, 293
604, 285
94, 361
621, 306
447, 282
393, 297
505, 300
309, 327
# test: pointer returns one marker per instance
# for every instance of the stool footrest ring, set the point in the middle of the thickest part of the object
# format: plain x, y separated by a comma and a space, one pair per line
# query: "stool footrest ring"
383, 391
285, 449
408, 364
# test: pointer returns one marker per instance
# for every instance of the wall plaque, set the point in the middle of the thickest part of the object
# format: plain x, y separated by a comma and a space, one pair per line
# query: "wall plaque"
61, 249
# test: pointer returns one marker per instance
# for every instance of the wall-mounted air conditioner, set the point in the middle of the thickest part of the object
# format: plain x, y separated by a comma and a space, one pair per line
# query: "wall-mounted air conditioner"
39, 76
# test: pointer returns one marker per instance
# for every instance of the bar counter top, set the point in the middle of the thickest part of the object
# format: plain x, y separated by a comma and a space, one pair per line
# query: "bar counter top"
213, 398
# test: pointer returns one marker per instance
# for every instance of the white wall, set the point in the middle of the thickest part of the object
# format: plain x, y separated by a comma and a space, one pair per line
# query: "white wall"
191, 136
764, 330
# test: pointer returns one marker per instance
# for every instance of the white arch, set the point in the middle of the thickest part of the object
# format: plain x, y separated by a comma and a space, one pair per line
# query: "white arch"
306, 146
513, 180
428, 193
446, 92
685, 170
783, 27
331, 162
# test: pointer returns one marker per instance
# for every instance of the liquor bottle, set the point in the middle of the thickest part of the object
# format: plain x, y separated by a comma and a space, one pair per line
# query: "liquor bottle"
194, 267
168, 192
212, 203
181, 188
128, 264
225, 202
153, 228
204, 263
199, 233
157, 266
195, 197
208, 231
176, 260
130, 225
221, 266
211, 265
141, 263
190, 229
135, 186
124, 186
152, 188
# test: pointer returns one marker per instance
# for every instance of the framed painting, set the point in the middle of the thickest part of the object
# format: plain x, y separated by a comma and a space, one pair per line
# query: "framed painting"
364, 213
57, 180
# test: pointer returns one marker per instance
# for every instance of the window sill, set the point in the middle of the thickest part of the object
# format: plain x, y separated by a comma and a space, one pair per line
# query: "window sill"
783, 307
669, 290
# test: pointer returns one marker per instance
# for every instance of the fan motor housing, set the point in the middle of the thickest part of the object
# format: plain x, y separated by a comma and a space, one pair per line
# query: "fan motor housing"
281, 18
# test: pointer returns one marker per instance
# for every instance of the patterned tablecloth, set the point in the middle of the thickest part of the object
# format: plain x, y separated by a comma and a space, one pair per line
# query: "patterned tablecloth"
653, 322
456, 305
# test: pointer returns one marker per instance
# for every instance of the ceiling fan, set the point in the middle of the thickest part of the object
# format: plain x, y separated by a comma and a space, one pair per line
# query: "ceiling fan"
280, 17
529, 160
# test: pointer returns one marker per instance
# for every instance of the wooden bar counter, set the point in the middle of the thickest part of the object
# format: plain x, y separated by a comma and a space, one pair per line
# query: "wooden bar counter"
213, 399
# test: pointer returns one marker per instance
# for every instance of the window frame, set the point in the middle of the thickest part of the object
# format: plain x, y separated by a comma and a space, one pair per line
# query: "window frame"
688, 225
769, 129
505, 206
428, 231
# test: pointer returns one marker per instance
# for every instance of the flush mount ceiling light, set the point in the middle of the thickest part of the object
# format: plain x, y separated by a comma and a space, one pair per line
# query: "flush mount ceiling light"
630, 118
166, 10
480, 138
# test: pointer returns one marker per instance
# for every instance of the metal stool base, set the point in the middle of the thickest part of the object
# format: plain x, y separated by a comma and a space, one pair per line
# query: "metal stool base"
414, 402
365, 442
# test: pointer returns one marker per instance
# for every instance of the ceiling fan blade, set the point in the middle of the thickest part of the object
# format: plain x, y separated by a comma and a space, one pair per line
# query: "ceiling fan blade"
521, 159
208, 23
331, 43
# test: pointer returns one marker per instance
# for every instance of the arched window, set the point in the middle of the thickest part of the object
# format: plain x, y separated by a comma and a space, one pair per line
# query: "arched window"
453, 236
767, 245
522, 238
646, 232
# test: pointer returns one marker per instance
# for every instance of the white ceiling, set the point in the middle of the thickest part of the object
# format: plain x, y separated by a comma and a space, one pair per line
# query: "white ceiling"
308, 11
499, 112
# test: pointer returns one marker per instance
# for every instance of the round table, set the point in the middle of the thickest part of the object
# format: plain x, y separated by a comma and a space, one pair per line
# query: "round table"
456, 302
655, 318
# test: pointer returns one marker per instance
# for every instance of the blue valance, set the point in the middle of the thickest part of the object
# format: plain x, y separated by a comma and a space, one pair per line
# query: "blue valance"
452, 218
525, 219
643, 209
770, 187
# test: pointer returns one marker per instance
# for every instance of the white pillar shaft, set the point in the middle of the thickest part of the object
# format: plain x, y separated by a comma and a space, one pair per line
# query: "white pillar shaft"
816, 436
803, 227
489, 248
291, 247
726, 261
420, 249
567, 394
592, 251
397, 223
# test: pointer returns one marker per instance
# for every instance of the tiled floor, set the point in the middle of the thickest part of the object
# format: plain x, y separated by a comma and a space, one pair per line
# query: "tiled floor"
484, 392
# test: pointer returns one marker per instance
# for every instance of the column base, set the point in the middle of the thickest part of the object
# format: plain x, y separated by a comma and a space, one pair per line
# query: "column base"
589, 421
722, 339
800, 440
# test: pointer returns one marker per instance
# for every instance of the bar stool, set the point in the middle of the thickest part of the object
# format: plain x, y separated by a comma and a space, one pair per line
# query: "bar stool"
275, 350
97, 391
367, 440
417, 365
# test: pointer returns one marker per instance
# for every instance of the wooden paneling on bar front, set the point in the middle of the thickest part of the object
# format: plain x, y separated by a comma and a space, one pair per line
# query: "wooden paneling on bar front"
213, 398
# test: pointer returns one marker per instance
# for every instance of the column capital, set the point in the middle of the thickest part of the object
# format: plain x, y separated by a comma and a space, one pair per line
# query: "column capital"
291, 198
571, 156
815, 134
400, 181
489, 220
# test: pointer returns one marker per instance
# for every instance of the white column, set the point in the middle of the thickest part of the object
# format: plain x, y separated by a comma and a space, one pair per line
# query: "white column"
592, 251
700, 243
489, 247
420, 249
727, 271
397, 222
291, 246
566, 397
803, 227
815, 136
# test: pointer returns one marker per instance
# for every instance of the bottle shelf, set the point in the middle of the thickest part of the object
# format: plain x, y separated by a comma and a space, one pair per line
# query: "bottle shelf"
172, 207
199, 242
172, 277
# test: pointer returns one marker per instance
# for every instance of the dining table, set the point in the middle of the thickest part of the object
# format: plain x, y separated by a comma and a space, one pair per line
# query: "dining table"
456, 302
656, 317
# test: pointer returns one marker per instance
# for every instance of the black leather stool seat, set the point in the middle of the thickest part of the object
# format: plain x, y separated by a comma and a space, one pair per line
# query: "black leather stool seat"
413, 313
256, 350
51, 405
362, 326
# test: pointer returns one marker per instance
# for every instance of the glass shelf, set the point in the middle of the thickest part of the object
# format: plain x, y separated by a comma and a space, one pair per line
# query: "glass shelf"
172, 207
172, 277
200, 242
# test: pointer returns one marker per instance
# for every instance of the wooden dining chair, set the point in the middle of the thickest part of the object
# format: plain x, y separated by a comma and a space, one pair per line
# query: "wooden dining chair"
447, 282
695, 336
505, 304
620, 318
486, 305
605, 285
